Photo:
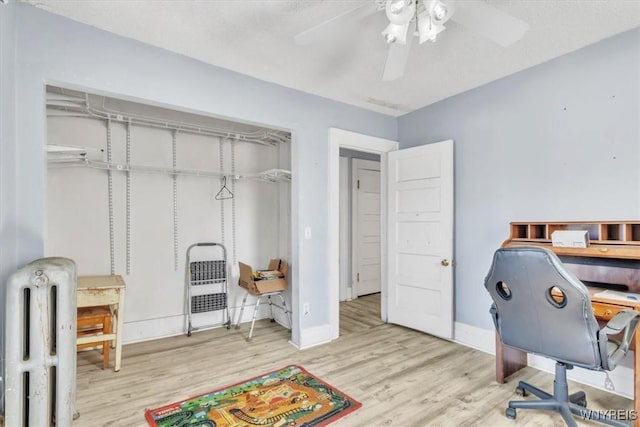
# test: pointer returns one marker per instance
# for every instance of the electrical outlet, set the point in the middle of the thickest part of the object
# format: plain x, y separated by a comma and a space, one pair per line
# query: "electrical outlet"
305, 308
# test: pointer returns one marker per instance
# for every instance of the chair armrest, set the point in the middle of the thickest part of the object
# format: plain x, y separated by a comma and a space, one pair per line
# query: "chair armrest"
494, 315
621, 321
625, 321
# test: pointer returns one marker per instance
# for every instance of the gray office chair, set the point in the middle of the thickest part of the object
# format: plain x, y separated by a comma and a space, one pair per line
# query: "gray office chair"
541, 308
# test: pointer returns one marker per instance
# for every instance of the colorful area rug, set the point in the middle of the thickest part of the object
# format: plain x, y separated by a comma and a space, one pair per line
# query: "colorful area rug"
287, 397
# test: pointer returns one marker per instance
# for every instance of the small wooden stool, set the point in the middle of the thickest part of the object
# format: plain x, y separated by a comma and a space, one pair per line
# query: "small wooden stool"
93, 324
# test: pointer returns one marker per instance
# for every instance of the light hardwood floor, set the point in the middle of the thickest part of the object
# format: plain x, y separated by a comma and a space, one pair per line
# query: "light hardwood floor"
402, 377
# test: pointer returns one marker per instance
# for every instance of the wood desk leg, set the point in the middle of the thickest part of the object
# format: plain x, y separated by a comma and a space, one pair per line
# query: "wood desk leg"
508, 361
636, 378
114, 323
119, 331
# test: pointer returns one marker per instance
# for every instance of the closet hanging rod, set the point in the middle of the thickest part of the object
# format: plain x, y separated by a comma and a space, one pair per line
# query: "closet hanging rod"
271, 175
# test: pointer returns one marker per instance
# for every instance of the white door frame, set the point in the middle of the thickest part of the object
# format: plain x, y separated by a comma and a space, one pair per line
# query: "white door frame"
339, 138
345, 235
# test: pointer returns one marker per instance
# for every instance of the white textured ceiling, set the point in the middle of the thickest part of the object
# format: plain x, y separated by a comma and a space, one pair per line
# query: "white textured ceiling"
255, 37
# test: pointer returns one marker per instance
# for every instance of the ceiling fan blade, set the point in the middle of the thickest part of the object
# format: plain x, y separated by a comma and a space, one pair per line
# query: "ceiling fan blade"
490, 22
327, 28
397, 60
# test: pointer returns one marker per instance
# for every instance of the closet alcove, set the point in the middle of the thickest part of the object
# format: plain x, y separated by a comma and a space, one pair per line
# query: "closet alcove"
130, 186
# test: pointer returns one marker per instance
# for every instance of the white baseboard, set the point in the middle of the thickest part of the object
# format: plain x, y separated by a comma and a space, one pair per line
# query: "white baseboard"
164, 327
147, 330
311, 337
484, 340
474, 337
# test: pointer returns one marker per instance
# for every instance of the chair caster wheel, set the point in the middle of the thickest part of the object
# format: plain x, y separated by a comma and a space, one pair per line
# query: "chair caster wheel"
273, 320
510, 413
521, 392
189, 333
582, 402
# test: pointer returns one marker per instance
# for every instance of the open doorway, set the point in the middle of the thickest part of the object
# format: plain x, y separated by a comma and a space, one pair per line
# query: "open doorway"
340, 139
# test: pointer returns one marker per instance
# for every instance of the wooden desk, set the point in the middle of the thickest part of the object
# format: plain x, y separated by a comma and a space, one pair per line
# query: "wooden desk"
613, 258
100, 291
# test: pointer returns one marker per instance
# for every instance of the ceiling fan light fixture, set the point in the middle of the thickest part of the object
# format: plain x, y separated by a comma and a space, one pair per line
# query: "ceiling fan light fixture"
439, 11
396, 33
428, 29
397, 6
400, 12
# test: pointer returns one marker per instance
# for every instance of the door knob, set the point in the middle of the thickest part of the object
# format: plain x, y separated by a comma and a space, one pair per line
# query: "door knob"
444, 262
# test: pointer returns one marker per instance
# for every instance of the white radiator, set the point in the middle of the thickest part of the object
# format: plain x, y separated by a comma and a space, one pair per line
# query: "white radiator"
41, 344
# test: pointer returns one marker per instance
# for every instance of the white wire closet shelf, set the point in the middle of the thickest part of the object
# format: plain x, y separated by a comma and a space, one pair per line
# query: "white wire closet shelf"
81, 105
69, 156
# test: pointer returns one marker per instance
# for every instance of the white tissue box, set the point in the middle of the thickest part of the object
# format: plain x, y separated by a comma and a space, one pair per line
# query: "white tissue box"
570, 238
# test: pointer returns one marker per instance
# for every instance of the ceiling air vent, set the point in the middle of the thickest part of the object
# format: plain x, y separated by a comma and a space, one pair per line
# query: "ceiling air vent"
384, 104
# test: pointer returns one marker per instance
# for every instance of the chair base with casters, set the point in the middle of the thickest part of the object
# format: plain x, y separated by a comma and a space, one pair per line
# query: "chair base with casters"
561, 401
259, 299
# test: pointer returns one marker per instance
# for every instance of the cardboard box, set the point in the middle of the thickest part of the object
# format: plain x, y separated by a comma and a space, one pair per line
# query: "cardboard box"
570, 238
257, 287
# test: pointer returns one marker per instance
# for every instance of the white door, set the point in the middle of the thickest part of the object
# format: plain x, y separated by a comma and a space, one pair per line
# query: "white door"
420, 244
345, 231
366, 226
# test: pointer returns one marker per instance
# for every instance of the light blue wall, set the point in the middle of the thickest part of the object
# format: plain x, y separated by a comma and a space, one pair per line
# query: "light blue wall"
52, 49
8, 259
559, 141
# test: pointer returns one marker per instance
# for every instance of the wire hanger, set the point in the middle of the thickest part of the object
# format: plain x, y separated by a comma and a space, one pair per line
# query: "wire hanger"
224, 192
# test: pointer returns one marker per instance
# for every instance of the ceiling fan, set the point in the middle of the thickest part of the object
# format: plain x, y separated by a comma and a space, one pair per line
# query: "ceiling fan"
423, 19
